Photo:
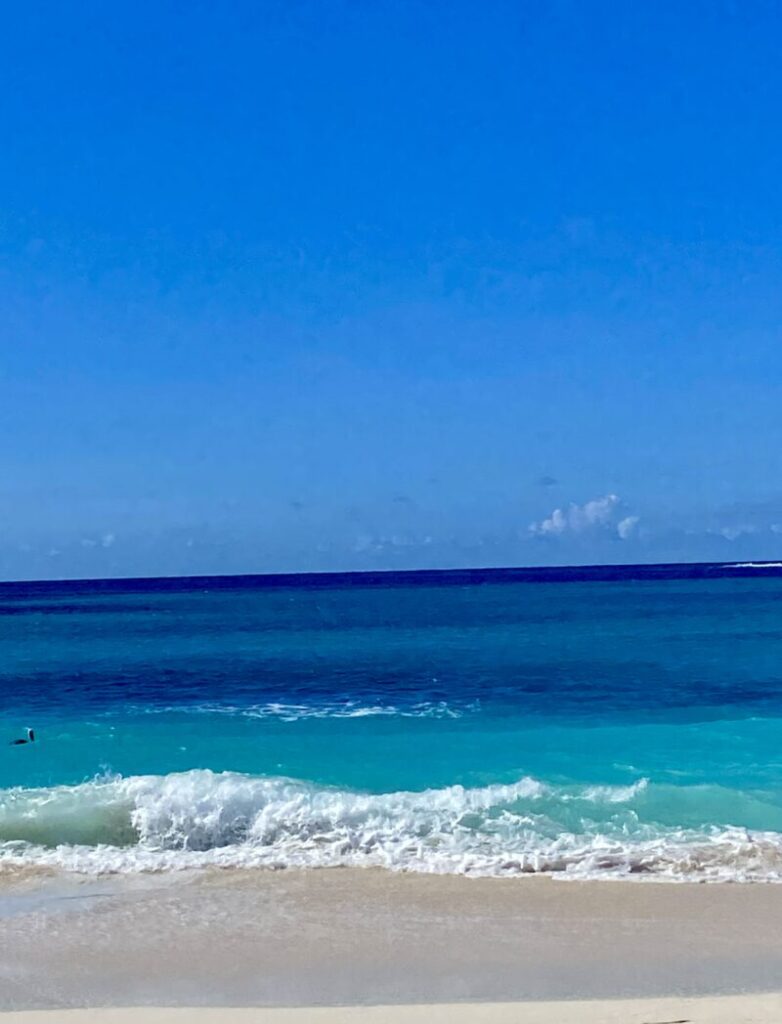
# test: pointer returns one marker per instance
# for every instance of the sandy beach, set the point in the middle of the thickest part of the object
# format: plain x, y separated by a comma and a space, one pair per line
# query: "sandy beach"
757, 1009
506, 950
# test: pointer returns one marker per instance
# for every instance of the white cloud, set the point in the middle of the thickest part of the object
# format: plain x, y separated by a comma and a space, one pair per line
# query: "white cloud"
625, 527
105, 541
734, 532
373, 543
598, 514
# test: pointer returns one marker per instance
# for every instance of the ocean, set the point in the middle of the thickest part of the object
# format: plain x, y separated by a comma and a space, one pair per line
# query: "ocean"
604, 722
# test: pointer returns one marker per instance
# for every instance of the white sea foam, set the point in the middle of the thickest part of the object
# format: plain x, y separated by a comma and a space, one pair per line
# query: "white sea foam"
200, 818
292, 712
754, 565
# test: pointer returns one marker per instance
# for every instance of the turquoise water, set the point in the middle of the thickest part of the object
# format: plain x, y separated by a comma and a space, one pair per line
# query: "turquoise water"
584, 722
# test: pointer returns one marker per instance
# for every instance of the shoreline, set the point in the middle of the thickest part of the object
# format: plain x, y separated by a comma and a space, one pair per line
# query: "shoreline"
744, 1009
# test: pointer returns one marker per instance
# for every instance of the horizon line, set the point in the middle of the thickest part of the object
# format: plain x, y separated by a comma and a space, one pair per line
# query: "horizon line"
352, 573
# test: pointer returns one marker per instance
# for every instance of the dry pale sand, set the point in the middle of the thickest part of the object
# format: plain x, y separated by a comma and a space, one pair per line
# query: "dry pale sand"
753, 1009
371, 939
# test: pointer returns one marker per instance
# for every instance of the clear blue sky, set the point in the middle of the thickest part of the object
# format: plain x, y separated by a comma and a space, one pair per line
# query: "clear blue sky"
312, 286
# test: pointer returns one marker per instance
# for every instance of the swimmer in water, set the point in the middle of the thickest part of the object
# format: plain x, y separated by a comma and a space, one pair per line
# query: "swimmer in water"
29, 739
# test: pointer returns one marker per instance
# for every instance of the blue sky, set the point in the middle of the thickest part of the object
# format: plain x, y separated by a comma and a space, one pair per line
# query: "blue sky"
314, 286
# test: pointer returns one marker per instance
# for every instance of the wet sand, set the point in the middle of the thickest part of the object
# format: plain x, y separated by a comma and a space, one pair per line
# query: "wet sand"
351, 937
758, 1009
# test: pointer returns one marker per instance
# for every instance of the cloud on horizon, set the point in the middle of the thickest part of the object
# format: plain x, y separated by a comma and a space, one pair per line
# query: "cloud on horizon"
600, 515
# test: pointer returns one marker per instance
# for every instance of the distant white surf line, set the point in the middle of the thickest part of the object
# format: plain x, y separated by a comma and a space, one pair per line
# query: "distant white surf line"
290, 712
753, 565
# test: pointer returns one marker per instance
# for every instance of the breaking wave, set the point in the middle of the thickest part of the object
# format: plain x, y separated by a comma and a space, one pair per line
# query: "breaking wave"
200, 818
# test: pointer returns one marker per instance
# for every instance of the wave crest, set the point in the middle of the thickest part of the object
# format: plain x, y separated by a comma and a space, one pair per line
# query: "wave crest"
200, 818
